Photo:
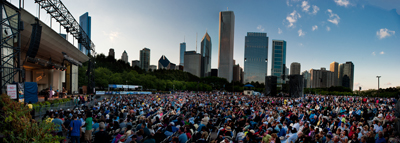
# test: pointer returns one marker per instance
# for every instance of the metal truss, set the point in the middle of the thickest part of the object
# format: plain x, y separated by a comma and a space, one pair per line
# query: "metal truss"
59, 12
10, 45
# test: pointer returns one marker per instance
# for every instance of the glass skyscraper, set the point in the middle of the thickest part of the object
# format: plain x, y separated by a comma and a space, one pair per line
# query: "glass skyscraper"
206, 56
226, 37
85, 21
278, 66
182, 53
145, 59
255, 57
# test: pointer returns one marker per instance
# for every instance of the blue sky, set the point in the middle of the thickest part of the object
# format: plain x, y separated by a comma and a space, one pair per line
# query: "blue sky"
317, 32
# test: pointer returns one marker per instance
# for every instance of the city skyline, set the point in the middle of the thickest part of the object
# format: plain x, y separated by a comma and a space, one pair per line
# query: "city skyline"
336, 32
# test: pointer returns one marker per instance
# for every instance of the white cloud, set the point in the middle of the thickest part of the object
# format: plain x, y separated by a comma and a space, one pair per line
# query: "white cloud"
305, 6
344, 3
315, 9
315, 27
111, 35
333, 18
300, 44
259, 27
383, 33
292, 18
382, 53
301, 33
373, 53
279, 31
388, 83
287, 3
328, 28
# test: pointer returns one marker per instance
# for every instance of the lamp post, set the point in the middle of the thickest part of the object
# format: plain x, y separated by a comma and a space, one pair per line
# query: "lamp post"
378, 83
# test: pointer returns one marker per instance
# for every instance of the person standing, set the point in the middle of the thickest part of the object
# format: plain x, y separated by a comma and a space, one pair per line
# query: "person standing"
59, 123
76, 129
88, 125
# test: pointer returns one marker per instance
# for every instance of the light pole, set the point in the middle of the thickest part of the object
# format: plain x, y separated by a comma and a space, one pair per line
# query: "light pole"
378, 83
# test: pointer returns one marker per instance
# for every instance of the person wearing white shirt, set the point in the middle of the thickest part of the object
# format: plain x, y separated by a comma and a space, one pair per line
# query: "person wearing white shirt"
292, 137
296, 125
378, 127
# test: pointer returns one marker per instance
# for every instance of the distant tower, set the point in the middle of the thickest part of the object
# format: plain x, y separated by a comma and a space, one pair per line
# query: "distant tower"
295, 68
255, 57
111, 53
333, 67
206, 56
182, 53
85, 21
145, 59
278, 64
124, 57
226, 37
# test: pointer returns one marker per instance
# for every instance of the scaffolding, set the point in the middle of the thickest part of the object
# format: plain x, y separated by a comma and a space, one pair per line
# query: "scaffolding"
10, 45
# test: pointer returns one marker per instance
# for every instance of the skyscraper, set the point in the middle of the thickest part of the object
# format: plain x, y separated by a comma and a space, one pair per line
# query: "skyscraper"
85, 21
307, 79
333, 67
145, 59
321, 78
225, 49
295, 68
192, 63
111, 53
255, 57
182, 53
164, 63
348, 75
124, 57
278, 59
206, 56
136, 63
237, 73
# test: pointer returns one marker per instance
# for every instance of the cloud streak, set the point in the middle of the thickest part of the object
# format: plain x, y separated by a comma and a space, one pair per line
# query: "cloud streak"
333, 18
328, 28
383, 33
315, 9
259, 27
301, 33
373, 53
315, 27
292, 18
382, 53
344, 3
279, 31
305, 6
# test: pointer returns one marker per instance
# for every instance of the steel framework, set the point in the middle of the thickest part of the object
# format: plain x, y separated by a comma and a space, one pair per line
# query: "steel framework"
10, 44
58, 11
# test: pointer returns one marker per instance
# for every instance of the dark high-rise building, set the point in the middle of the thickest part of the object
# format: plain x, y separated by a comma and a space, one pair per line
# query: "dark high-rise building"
278, 67
206, 56
163, 62
346, 71
85, 21
255, 57
182, 53
226, 37
145, 59
295, 68
214, 72
111, 53
237, 71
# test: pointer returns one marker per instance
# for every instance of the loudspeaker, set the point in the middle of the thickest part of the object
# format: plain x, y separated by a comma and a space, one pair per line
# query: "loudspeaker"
270, 85
296, 86
35, 40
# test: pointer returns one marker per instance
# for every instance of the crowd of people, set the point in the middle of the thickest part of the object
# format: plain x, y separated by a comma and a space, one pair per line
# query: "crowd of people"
216, 118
